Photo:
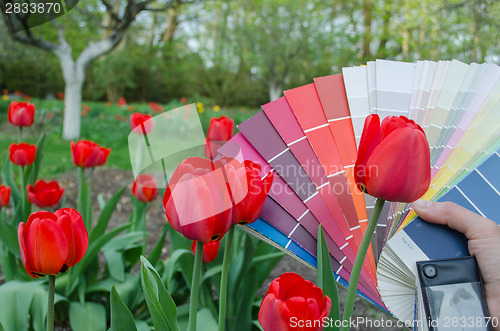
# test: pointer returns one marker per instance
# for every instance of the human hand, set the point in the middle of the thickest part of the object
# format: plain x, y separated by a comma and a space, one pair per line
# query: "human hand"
484, 242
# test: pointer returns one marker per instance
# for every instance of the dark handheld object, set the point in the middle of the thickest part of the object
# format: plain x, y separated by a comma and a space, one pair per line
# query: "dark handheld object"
453, 295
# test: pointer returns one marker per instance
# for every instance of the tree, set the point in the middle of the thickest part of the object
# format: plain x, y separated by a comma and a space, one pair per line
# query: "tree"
73, 69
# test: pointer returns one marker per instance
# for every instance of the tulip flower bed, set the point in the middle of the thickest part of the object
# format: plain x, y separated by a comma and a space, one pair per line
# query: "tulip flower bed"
93, 249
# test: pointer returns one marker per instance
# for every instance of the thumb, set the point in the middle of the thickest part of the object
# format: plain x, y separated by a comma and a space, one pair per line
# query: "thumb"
472, 225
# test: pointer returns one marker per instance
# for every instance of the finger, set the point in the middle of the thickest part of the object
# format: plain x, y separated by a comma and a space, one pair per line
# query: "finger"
472, 225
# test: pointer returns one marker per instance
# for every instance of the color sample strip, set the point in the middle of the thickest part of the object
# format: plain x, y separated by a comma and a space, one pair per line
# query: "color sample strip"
449, 90
356, 89
332, 94
488, 81
423, 91
437, 82
456, 112
394, 83
306, 106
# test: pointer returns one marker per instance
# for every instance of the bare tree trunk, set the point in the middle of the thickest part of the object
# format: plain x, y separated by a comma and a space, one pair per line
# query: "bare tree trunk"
172, 23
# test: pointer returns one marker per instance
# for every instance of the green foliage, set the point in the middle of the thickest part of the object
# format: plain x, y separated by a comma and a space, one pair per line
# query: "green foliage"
25, 299
161, 305
326, 280
121, 317
88, 316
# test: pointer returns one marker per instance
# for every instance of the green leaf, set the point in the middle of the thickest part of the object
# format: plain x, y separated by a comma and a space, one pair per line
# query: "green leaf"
155, 253
326, 280
90, 316
105, 215
19, 300
246, 295
143, 326
161, 306
121, 317
185, 260
8, 235
116, 266
9, 264
8, 178
206, 321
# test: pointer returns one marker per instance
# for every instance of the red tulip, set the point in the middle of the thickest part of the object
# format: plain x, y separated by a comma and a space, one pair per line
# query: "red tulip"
210, 251
22, 154
21, 113
136, 119
122, 102
27, 97
18, 93
219, 131
248, 190
45, 194
183, 100
4, 195
291, 302
51, 243
197, 200
145, 188
393, 159
88, 154
5, 92
60, 96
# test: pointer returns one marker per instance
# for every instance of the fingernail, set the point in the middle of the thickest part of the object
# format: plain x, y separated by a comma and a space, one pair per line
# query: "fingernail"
422, 204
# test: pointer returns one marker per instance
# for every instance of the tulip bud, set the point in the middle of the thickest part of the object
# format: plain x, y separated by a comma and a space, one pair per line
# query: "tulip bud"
22, 154
21, 113
45, 194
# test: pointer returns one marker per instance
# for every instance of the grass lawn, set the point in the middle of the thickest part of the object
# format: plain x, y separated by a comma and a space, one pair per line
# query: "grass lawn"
106, 125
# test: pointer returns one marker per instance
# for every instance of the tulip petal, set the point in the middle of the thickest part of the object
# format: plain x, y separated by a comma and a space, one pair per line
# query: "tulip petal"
402, 174
78, 233
390, 124
46, 247
369, 141
274, 315
21, 235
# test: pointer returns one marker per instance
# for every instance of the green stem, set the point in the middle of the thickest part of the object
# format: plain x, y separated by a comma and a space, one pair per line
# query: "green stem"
50, 307
89, 196
223, 281
144, 231
23, 192
82, 197
358, 264
20, 134
195, 286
